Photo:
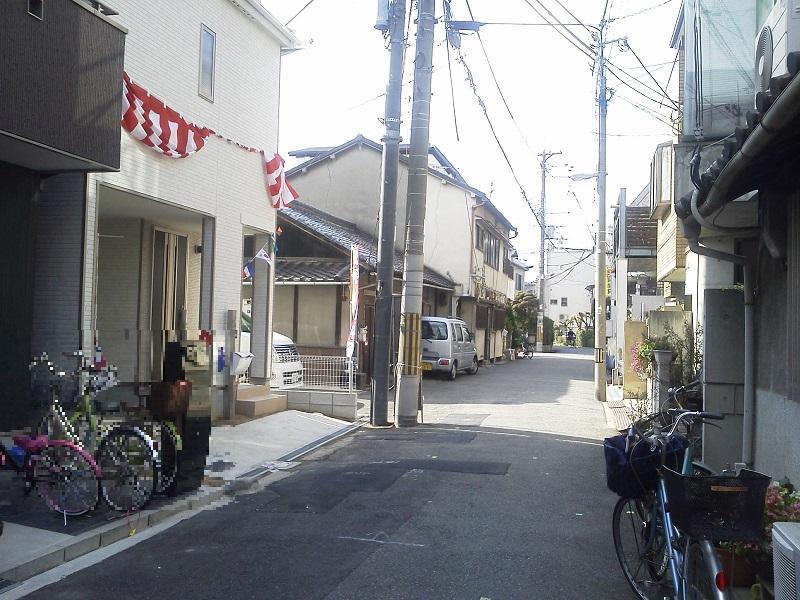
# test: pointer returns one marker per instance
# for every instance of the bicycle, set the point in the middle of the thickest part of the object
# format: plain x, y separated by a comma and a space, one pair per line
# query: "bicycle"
64, 475
127, 456
667, 519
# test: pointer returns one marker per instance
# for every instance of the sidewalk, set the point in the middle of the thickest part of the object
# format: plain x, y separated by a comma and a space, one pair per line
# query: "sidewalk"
36, 539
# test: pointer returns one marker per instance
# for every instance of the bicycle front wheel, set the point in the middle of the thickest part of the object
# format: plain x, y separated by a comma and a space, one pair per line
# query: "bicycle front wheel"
129, 466
65, 477
640, 544
702, 566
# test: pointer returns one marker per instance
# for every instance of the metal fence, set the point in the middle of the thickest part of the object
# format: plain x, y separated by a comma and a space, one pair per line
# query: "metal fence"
329, 372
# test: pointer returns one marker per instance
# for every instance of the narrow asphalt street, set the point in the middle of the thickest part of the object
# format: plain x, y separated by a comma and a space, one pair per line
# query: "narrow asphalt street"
499, 495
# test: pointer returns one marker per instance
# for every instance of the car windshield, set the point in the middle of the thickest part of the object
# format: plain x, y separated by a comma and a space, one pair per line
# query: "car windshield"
434, 330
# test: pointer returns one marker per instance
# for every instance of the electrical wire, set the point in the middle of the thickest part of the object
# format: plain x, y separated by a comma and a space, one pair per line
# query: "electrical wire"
583, 215
643, 11
663, 91
497, 83
588, 51
569, 270
474, 87
297, 14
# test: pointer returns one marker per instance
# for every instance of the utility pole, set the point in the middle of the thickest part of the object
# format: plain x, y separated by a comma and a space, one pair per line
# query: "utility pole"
600, 245
379, 409
544, 156
409, 376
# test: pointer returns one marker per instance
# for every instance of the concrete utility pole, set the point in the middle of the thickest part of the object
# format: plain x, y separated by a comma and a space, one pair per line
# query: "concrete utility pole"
544, 156
409, 375
600, 279
379, 409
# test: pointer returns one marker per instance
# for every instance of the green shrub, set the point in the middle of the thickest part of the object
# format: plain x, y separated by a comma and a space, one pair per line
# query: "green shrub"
587, 338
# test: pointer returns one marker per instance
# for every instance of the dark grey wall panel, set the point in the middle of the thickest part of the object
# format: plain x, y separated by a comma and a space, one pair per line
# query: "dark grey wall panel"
18, 191
61, 78
59, 266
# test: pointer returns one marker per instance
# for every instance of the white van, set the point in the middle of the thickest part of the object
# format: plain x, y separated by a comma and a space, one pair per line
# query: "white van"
448, 346
287, 370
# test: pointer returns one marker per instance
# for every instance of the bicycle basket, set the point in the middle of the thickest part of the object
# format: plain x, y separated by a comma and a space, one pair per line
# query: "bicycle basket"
721, 508
633, 474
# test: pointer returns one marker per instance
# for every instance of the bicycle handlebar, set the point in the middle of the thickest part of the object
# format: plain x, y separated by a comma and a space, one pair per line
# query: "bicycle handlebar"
697, 414
660, 437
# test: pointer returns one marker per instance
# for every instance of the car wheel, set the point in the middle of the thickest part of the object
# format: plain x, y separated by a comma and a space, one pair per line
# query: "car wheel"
453, 370
474, 368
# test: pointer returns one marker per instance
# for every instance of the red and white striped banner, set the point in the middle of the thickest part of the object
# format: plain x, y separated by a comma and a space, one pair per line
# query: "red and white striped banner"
163, 129
280, 190
155, 124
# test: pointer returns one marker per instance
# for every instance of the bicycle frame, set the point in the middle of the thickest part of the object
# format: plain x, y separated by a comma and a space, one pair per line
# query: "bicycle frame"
677, 557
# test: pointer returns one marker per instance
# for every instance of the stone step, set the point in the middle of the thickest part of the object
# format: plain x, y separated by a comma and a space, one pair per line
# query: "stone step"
260, 406
247, 391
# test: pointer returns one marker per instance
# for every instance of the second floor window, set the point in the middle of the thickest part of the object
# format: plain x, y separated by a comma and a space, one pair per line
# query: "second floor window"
491, 251
208, 48
479, 237
554, 302
563, 302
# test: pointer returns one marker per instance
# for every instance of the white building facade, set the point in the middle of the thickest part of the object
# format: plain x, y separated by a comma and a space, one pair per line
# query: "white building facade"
466, 236
570, 272
165, 238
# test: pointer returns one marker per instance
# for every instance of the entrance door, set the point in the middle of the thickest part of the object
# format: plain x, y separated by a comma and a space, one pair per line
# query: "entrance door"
168, 302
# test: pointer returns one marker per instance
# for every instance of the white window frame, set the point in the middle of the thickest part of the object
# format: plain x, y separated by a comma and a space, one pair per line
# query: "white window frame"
210, 97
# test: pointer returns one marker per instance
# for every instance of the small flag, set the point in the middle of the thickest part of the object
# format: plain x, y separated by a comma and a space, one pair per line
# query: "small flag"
264, 255
249, 270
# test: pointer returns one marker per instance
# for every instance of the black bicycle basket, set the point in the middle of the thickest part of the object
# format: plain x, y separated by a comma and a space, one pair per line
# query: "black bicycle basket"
634, 473
720, 508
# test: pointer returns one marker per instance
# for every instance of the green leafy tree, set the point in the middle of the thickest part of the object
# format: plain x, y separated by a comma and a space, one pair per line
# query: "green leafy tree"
521, 317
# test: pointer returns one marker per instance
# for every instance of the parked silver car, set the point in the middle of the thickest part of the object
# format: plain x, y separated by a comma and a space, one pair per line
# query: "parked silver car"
448, 346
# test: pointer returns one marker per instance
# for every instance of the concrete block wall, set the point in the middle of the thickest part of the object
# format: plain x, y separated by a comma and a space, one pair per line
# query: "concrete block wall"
340, 405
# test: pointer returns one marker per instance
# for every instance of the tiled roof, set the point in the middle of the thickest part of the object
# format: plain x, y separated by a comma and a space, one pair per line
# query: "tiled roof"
342, 234
308, 270
640, 230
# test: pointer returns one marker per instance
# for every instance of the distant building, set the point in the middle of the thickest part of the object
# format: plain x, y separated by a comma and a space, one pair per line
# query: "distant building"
569, 272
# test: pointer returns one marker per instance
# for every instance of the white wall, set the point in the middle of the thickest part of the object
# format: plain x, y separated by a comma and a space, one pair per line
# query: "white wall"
118, 290
283, 310
349, 187
316, 315
221, 180
568, 280
704, 273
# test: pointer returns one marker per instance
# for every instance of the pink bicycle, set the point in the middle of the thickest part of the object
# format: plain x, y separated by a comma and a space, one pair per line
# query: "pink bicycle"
63, 474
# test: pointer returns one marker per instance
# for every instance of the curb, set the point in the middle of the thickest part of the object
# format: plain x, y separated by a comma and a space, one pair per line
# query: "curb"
247, 480
107, 534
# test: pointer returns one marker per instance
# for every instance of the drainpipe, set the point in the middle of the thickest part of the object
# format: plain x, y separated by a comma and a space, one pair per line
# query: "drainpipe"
748, 420
776, 119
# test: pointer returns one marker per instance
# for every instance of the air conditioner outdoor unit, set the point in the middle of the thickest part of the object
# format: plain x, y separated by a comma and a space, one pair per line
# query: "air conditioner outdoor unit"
786, 560
779, 36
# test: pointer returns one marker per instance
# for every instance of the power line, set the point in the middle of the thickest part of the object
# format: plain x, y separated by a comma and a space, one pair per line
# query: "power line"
641, 12
497, 83
588, 51
297, 14
639, 60
474, 87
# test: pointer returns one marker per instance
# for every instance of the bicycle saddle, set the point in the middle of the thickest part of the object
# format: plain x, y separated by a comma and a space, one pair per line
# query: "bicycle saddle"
31, 445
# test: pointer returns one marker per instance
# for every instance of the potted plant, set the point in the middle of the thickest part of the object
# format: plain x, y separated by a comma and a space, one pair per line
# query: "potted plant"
782, 503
